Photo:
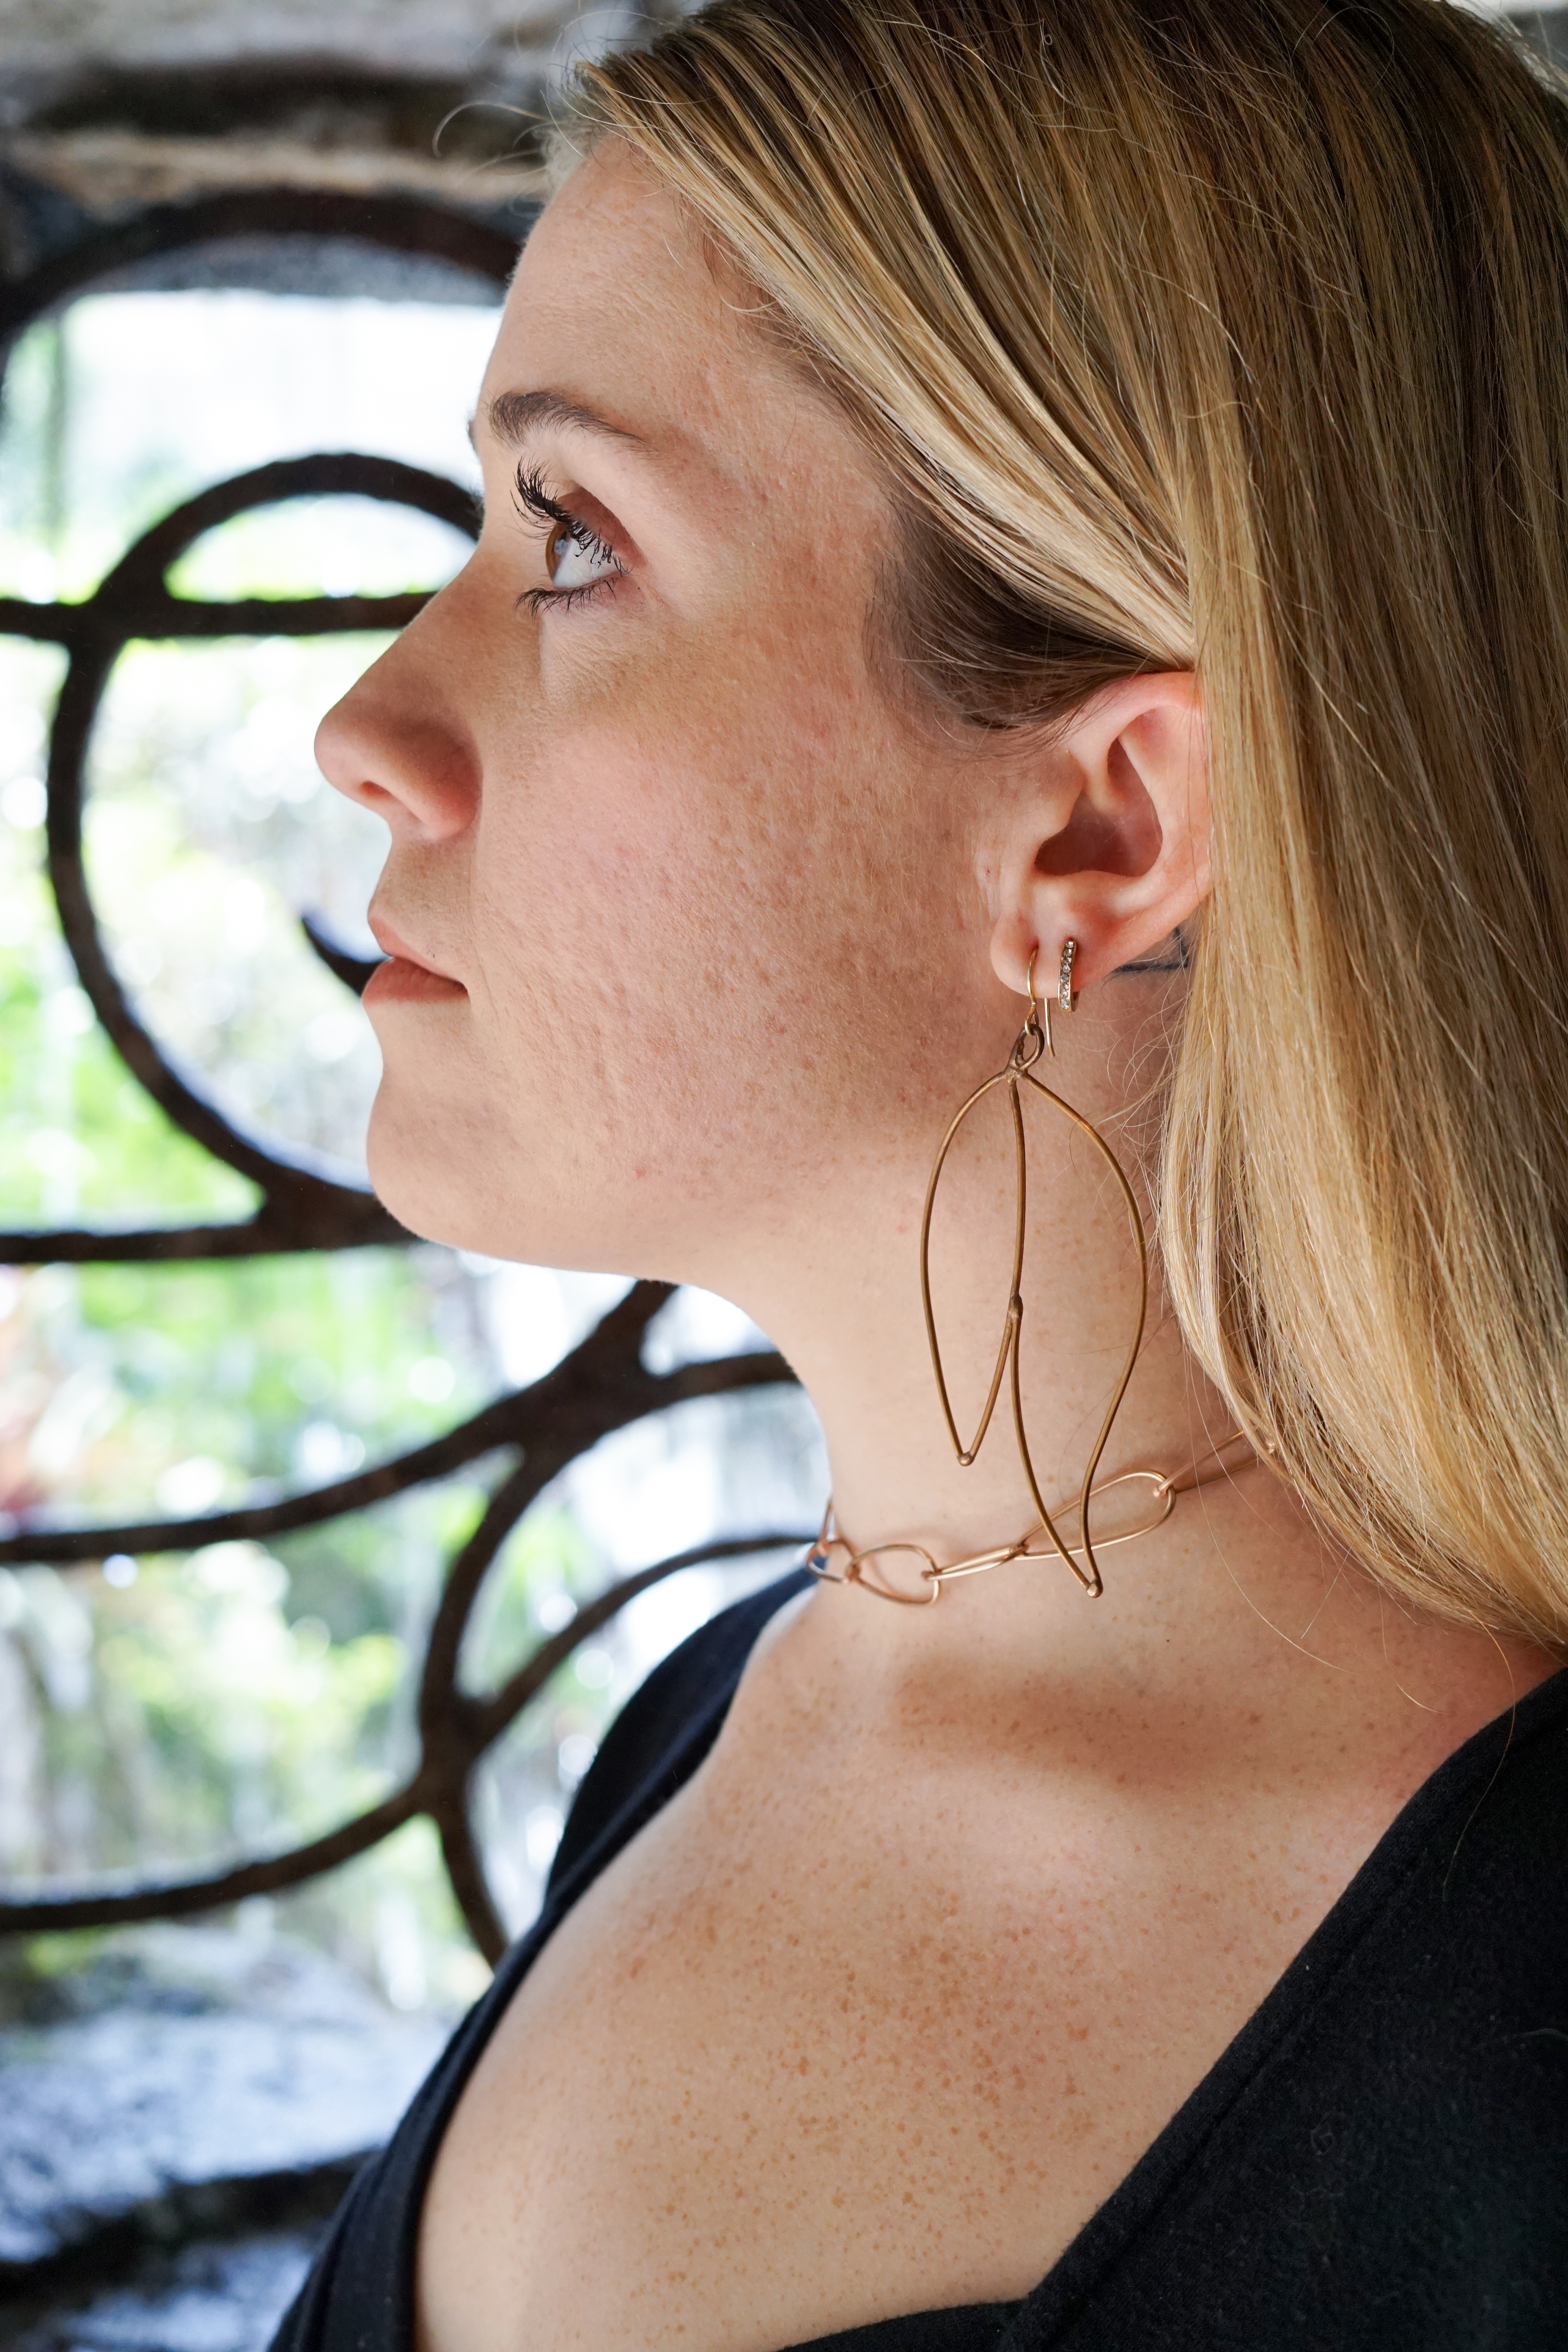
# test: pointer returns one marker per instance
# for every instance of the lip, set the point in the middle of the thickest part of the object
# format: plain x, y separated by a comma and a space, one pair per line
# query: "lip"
406, 978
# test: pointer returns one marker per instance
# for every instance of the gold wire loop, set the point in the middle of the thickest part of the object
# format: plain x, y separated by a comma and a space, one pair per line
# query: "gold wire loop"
877, 1580
1162, 1496
819, 1555
1031, 1045
819, 1559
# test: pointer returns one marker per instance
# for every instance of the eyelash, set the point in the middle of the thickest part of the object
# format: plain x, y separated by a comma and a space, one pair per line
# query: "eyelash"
533, 499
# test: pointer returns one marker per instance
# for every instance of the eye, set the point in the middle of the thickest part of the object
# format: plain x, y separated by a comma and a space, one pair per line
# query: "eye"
578, 561
575, 557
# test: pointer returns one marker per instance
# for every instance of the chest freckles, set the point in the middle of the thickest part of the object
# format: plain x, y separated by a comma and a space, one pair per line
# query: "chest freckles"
827, 2042
823, 2016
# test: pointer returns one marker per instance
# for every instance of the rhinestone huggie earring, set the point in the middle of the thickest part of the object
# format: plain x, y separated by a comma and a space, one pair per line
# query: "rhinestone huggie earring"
1032, 1042
1064, 995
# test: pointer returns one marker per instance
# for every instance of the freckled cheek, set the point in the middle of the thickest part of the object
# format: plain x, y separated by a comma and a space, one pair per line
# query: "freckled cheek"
594, 868
684, 773
687, 826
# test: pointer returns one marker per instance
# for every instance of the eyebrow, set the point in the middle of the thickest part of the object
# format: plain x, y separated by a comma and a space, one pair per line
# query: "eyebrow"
514, 416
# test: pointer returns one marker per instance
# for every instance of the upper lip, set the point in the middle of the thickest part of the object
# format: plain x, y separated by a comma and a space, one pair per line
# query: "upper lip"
395, 945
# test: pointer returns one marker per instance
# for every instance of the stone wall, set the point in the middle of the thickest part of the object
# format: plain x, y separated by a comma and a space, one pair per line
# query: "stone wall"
110, 105
106, 106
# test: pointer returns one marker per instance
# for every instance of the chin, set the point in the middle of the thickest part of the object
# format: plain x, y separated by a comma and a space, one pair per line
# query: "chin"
460, 1182
431, 1173
431, 1211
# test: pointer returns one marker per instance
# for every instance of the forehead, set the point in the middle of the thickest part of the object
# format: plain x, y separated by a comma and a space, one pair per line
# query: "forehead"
619, 301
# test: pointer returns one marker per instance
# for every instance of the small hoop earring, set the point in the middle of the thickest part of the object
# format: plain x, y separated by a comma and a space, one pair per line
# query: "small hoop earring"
1031, 1044
1064, 995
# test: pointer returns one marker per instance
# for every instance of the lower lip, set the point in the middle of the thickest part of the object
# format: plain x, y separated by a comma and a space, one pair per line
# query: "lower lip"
398, 982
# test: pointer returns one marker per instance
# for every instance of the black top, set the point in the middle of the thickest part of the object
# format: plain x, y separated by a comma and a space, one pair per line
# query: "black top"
1379, 2160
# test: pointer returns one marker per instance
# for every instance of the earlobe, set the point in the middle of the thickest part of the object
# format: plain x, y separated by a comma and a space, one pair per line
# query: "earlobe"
1112, 850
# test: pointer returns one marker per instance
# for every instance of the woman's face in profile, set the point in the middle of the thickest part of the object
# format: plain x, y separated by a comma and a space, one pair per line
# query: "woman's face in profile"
695, 897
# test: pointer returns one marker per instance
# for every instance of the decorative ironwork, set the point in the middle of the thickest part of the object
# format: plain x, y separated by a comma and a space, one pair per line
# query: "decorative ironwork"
406, 224
601, 1386
300, 1207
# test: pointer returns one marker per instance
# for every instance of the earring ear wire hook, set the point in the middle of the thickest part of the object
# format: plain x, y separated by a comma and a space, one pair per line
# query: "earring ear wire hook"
1031, 1025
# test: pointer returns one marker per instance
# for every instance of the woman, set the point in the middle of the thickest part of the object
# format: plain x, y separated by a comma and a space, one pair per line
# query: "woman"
994, 508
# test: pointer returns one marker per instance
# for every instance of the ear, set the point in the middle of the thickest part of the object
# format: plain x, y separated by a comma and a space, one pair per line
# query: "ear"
1111, 846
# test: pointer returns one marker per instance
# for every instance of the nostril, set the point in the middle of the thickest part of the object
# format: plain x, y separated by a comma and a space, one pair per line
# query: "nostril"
373, 795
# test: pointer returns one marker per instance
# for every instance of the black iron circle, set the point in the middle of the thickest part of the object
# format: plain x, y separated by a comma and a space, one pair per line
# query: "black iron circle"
344, 473
303, 1206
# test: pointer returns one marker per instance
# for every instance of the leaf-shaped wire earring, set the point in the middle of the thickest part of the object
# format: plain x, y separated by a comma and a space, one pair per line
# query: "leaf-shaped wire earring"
1031, 1044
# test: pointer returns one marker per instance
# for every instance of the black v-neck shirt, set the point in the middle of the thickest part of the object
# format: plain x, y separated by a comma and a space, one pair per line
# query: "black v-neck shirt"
1377, 2163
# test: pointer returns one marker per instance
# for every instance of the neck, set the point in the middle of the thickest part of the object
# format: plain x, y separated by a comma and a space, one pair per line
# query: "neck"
1238, 1599
913, 1465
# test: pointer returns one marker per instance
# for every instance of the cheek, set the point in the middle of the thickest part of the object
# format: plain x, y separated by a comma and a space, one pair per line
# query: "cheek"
682, 894
703, 868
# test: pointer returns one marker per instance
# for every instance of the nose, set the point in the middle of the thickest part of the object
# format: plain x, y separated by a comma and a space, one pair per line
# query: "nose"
397, 742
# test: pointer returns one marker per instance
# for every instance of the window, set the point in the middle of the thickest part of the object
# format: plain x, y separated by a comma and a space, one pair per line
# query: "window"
286, 1611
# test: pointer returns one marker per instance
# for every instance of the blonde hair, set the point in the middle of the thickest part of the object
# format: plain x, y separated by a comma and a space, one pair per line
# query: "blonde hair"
1232, 335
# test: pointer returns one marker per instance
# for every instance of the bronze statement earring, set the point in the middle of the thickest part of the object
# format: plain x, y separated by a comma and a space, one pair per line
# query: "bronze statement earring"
1031, 1044
870, 1568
